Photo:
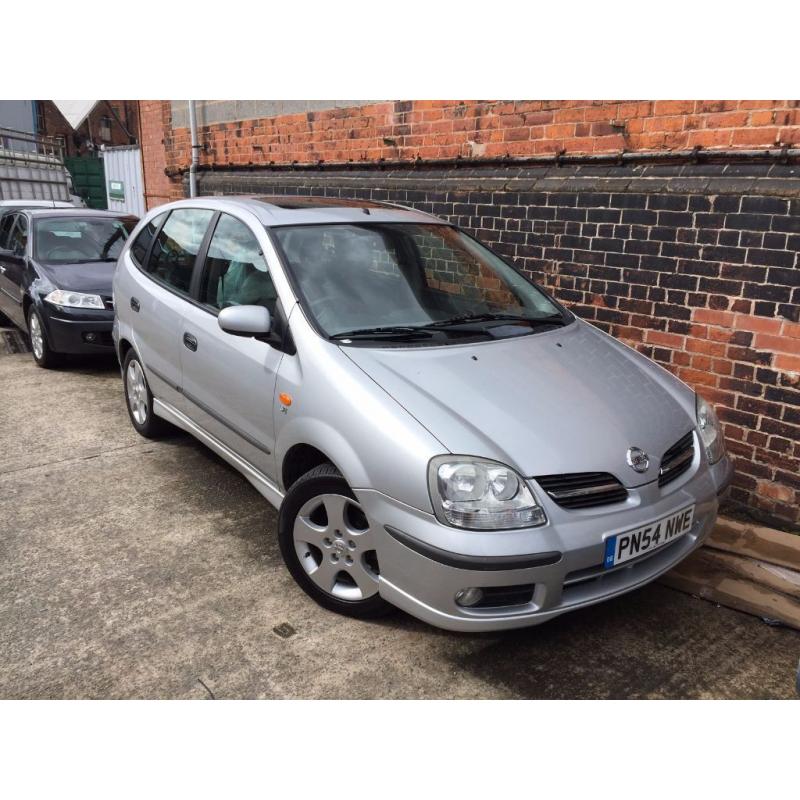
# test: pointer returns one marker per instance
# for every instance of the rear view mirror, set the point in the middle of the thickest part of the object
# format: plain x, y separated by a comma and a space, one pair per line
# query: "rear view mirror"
252, 321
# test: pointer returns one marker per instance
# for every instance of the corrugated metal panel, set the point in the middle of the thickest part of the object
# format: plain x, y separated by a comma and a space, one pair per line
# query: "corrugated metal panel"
28, 182
124, 165
31, 167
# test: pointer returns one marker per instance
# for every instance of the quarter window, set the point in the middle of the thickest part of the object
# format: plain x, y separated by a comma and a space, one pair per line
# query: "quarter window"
140, 247
175, 249
236, 272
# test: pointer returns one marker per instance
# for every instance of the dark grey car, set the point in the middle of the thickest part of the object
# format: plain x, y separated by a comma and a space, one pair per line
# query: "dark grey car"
56, 268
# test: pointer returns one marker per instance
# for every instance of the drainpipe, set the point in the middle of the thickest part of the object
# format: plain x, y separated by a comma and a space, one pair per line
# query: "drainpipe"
195, 149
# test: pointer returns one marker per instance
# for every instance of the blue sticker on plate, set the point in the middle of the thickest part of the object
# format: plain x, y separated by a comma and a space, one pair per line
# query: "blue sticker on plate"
611, 546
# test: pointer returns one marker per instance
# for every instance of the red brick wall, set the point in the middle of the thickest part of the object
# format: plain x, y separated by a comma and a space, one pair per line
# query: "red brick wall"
697, 267
408, 130
439, 129
52, 123
154, 118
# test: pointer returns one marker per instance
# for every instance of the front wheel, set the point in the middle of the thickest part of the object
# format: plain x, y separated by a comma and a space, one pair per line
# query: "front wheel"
328, 545
43, 355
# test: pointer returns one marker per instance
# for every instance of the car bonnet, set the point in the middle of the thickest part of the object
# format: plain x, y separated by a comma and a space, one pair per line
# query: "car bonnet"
561, 401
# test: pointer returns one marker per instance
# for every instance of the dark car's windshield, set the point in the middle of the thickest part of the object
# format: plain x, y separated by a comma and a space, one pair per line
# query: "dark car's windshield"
410, 282
77, 240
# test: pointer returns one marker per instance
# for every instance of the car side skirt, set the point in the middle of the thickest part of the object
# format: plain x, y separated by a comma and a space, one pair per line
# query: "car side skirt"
260, 481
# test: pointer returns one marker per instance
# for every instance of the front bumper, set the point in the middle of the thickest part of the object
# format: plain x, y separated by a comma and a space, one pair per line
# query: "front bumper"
559, 565
78, 330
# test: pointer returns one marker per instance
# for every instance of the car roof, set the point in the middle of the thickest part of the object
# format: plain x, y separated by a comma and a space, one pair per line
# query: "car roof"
22, 203
39, 213
279, 210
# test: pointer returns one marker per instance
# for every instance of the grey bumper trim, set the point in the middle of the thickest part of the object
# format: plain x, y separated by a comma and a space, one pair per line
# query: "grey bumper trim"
460, 561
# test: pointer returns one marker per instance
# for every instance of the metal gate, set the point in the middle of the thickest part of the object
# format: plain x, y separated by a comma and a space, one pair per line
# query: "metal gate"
124, 184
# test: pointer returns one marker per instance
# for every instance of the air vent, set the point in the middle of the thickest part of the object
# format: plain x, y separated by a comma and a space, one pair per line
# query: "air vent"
583, 489
677, 459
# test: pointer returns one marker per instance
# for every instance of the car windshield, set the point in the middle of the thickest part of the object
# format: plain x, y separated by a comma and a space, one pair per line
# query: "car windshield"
410, 282
79, 240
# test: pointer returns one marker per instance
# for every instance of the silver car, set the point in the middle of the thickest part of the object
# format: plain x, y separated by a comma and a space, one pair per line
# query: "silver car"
438, 434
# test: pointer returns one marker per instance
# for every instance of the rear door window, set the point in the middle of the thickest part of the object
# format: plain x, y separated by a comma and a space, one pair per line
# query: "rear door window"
175, 249
142, 243
236, 272
19, 236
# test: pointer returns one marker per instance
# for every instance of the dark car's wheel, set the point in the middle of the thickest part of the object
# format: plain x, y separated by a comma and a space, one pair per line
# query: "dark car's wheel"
139, 399
328, 545
43, 355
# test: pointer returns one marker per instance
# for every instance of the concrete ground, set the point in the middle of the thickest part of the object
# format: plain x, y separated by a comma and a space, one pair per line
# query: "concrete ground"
130, 568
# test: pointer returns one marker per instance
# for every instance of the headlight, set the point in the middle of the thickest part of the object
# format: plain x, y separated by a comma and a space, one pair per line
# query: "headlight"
710, 430
481, 495
61, 297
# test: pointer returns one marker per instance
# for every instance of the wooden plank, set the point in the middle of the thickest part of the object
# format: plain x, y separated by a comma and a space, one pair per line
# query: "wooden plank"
755, 587
764, 544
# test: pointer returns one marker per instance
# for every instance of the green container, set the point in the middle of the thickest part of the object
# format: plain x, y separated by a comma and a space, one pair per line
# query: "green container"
89, 179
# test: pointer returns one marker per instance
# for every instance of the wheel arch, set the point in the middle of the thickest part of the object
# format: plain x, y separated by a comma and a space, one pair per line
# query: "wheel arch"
123, 346
300, 459
304, 445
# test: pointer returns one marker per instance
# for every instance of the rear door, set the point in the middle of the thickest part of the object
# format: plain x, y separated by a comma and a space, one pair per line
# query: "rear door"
229, 381
159, 295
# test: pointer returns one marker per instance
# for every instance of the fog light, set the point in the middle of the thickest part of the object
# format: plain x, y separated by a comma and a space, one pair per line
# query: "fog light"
469, 597
90, 337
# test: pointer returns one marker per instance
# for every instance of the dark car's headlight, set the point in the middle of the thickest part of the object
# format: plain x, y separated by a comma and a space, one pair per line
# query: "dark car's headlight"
710, 430
482, 495
67, 299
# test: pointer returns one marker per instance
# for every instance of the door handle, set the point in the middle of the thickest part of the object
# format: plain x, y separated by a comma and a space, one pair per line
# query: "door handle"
2, 268
190, 341
135, 304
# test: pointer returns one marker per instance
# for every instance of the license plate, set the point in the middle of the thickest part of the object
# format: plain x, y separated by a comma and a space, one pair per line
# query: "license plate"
622, 547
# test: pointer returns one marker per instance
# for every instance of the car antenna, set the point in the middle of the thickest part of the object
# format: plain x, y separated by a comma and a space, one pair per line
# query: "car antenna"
365, 210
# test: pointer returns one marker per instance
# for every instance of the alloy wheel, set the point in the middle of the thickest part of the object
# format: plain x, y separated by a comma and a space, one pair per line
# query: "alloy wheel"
137, 392
37, 338
336, 548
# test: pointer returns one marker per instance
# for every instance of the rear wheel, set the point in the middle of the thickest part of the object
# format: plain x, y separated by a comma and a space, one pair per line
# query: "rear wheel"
42, 354
139, 400
327, 543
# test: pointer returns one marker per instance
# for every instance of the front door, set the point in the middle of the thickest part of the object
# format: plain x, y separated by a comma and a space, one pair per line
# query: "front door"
229, 381
12, 272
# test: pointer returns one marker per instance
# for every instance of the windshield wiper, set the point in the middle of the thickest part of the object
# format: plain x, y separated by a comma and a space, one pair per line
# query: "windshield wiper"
385, 331
551, 319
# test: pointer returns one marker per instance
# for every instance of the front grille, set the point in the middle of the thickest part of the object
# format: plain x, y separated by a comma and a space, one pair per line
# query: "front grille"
583, 489
108, 302
677, 459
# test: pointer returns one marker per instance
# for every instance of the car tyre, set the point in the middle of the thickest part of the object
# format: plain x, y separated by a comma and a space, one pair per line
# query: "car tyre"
327, 544
139, 400
43, 354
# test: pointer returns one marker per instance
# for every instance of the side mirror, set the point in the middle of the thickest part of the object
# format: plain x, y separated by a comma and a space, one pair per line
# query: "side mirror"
252, 321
